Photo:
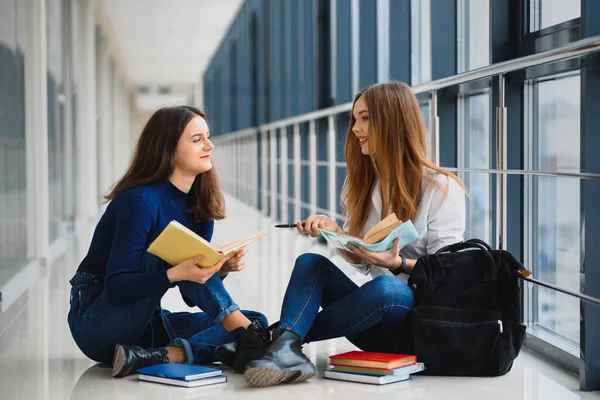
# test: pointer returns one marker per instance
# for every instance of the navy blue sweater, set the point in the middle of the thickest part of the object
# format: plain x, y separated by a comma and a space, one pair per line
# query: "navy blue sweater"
132, 220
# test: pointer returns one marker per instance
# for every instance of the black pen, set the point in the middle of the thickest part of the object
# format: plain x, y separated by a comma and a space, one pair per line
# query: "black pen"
287, 225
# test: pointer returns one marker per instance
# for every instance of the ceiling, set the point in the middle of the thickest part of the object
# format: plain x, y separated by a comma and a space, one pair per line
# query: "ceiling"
167, 44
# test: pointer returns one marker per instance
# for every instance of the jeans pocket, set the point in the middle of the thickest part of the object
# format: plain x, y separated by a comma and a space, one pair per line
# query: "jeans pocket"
85, 298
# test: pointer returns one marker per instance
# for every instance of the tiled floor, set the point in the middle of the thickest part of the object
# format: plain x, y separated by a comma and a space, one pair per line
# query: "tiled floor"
39, 360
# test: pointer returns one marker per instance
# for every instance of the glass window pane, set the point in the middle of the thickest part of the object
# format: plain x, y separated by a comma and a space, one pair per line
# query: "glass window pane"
473, 34
475, 152
555, 224
13, 184
545, 13
420, 42
54, 47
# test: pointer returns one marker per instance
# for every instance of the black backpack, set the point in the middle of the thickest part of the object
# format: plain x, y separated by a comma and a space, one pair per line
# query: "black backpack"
466, 319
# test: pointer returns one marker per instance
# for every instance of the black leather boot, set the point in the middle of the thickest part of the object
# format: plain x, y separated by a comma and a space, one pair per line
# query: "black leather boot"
283, 362
128, 359
251, 344
226, 352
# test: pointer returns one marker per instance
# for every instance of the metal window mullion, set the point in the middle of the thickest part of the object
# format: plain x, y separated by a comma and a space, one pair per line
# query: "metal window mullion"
284, 172
312, 148
297, 173
273, 174
383, 44
263, 170
501, 163
434, 127
331, 168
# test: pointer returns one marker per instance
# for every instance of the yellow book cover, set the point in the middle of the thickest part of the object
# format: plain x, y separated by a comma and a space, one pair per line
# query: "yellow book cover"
176, 243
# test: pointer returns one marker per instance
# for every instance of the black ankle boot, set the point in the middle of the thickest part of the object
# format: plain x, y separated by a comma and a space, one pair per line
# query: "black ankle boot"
283, 362
251, 344
128, 359
226, 353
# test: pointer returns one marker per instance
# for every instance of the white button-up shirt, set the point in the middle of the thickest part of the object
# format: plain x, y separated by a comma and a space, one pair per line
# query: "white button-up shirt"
440, 220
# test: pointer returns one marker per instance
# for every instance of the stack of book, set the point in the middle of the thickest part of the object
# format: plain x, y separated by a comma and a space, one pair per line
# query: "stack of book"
373, 368
186, 375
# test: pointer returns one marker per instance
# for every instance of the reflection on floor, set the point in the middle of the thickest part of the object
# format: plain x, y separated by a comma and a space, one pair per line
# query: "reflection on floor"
39, 360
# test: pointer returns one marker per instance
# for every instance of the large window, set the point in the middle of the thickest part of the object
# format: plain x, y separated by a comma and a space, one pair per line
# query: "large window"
545, 13
474, 125
473, 34
56, 101
420, 41
553, 205
13, 183
474, 151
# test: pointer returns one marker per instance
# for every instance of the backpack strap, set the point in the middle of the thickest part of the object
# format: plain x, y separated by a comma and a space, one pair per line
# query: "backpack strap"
479, 241
489, 274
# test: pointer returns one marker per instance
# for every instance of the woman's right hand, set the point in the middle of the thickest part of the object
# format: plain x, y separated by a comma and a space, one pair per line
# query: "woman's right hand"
188, 270
312, 224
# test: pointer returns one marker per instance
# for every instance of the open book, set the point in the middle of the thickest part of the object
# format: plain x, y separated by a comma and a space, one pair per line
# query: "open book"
176, 243
379, 238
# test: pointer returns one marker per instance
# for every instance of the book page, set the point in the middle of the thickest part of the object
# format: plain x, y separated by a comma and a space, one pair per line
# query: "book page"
340, 241
235, 247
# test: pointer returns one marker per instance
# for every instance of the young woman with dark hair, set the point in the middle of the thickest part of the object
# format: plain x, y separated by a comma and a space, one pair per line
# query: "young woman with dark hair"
115, 313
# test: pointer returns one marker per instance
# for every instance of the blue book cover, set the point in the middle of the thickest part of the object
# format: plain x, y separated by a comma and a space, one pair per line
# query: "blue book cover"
406, 232
186, 372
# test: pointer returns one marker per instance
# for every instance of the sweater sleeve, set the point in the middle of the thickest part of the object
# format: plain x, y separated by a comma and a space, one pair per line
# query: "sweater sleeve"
126, 277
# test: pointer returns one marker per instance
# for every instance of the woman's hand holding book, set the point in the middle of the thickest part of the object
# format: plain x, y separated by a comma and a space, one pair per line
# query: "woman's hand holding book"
189, 270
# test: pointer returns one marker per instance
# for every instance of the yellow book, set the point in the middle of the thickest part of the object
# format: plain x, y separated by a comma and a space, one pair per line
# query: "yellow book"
176, 243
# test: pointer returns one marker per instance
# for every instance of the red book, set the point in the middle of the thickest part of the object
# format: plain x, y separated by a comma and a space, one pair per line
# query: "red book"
372, 360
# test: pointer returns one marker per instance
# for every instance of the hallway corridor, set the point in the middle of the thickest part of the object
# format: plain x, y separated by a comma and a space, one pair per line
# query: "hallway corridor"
40, 361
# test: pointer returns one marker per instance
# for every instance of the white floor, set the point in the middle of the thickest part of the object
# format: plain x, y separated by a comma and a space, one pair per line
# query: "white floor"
39, 360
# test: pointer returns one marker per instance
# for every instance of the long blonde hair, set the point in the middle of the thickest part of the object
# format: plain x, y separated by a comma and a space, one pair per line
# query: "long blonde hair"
397, 147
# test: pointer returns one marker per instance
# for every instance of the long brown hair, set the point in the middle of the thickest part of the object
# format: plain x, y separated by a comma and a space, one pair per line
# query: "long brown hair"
153, 161
397, 147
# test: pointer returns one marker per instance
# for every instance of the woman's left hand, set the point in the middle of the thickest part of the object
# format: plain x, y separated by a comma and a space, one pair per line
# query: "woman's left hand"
388, 259
235, 263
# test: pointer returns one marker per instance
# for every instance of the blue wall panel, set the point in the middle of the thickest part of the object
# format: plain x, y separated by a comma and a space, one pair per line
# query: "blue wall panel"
368, 43
343, 67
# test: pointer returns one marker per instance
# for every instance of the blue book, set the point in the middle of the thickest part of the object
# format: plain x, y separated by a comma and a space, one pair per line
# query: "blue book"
180, 371
375, 241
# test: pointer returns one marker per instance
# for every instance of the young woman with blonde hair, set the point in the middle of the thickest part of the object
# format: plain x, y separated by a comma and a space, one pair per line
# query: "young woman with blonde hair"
387, 172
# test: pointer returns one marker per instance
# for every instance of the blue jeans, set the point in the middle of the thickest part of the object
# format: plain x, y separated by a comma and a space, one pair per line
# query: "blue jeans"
371, 316
97, 326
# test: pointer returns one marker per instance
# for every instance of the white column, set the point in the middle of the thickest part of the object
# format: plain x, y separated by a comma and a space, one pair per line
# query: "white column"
36, 139
105, 165
116, 135
87, 188
199, 94
69, 110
